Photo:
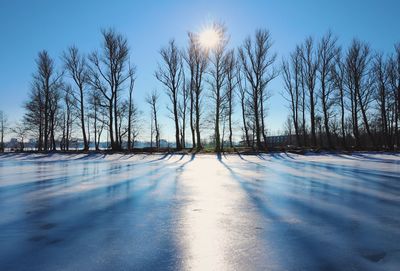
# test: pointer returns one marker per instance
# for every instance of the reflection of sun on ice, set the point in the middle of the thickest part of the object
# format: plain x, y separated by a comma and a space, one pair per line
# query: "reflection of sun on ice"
208, 242
209, 38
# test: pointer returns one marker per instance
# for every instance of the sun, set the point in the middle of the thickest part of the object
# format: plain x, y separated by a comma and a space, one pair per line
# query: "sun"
209, 38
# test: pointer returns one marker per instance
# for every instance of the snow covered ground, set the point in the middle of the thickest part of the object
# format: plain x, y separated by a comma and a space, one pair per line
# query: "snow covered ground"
203, 212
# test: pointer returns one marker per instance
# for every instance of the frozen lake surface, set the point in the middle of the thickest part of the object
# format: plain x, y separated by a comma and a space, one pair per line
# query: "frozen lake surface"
203, 212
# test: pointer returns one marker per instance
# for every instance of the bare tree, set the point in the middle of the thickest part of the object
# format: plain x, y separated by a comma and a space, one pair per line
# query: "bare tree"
382, 96
108, 73
310, 66
75, 64
43, 104
55, 97
327, 52
122, 114
131, 110
189, 56
34, 113
394, 82
396, 91
135, 120
217, 79
303, 102
292, 79
152, 99
224, 115
197, 61
97, 114
231, 83
338, 75
183, 107
45, 70
358, 70
67, 117
257, 63
242, 90
20, 131
169, 73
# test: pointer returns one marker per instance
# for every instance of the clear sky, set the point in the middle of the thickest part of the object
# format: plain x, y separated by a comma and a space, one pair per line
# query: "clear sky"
29, 26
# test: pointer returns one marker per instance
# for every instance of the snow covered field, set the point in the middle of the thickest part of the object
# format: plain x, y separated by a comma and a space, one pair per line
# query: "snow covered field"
203, 212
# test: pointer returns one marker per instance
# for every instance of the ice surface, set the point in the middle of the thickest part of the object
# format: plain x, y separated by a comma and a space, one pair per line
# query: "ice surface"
202, 212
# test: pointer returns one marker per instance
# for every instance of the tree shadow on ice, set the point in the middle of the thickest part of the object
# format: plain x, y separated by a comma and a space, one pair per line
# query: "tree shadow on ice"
373, 178
96, 212
306, 240
85, 198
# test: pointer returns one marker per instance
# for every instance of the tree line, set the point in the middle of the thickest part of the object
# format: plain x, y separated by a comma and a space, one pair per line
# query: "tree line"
93, 91
337, 97
343, 97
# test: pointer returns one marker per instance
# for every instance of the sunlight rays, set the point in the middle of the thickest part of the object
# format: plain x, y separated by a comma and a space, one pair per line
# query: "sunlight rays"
211, 36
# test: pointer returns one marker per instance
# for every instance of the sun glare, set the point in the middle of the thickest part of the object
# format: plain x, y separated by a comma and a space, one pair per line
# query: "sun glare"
209, 38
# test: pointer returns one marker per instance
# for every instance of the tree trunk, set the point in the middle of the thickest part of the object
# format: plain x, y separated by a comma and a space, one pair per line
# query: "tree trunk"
176, 118
257, 121
245, 128
117, 145
325, 112
230, 120
198, 144
262, 120
312, 118
82, 111
192, 125
342, 118
110, 125
365, 119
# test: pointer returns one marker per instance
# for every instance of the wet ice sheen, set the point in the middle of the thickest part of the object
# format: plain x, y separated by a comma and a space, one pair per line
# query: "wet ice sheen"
203, 212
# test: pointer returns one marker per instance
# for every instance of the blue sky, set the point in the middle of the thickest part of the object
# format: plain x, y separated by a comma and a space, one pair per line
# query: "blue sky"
29, 26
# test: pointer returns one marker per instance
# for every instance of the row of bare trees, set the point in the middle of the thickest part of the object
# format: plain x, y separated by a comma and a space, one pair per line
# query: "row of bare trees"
198, 77
89, 90
94, 92
338, 97
350, 95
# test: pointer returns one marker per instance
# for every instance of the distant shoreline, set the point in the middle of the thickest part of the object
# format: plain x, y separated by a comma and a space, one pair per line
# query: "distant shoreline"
205, 152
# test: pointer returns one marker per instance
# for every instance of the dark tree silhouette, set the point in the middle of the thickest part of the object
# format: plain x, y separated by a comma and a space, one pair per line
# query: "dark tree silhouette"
98, 115
108, 73
131, 109
327, 53
242, 86
197, 61
394, 82
43, 104
257, 64
67, 117
76, 66
338, 75
170, 74
310, 66
217, 78
231, 83
359, 84
152, 99
183, 107
291, 72
189, 56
